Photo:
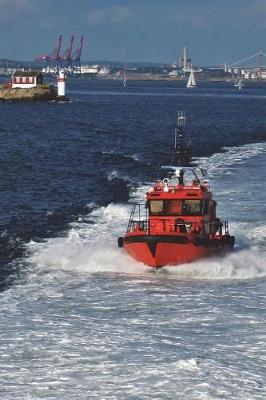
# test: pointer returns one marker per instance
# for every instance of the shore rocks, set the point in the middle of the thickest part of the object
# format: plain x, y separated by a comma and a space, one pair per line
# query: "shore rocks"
38, 93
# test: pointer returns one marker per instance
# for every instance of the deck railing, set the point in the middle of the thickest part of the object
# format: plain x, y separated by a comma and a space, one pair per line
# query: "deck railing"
139, 220
138, 215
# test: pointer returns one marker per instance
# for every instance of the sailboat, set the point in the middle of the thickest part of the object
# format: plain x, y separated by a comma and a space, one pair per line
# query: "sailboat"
239, 84
191, 83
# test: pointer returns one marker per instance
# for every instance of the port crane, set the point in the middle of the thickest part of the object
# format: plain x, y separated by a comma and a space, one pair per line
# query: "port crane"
77, 54
54, 57
66, 58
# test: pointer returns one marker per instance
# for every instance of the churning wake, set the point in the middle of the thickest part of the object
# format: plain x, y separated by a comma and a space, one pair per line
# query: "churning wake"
91, 244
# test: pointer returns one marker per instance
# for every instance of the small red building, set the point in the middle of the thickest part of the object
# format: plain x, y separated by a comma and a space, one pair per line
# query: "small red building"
26, 79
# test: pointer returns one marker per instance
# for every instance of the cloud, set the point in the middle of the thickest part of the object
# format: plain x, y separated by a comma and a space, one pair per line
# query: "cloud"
191, 21
16, 4
116, 14
11, 9
255, 12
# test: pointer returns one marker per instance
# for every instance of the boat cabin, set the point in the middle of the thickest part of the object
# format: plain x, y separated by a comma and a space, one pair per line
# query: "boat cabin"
177, 207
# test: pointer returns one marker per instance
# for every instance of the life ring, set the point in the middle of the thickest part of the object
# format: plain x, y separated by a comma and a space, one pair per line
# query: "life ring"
166, 181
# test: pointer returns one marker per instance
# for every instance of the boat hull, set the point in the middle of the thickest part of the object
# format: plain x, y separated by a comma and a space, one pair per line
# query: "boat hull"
160, 250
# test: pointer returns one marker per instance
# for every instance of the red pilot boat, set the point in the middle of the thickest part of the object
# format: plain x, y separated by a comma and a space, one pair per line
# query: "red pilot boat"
178, 222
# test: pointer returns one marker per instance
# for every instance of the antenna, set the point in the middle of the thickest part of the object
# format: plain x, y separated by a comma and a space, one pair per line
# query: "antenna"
181, 123
182, 150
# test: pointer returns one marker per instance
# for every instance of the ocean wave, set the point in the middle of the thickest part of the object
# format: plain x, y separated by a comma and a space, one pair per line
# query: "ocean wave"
237, 265
220, 163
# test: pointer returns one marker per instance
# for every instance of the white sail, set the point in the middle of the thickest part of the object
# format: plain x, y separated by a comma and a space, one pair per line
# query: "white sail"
191, 80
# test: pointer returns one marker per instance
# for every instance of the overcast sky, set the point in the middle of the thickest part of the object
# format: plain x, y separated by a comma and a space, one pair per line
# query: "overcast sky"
154, 30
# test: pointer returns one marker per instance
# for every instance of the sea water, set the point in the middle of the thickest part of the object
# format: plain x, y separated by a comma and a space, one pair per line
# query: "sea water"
80, 318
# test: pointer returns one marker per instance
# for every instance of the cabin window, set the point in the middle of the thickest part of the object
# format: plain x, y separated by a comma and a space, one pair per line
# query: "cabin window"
24, 79
178, 207
172, 207
156, 207
192, 207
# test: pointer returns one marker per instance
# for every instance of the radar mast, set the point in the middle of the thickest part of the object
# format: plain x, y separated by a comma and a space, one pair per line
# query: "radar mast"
182, 152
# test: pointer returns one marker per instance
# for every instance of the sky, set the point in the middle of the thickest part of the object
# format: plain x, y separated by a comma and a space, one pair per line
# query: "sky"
153, 30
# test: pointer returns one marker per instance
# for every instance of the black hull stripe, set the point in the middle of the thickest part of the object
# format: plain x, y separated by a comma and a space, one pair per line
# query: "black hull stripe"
152, 241
156, 239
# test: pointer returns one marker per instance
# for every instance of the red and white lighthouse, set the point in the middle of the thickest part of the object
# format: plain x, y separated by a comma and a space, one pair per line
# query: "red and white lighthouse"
61, 84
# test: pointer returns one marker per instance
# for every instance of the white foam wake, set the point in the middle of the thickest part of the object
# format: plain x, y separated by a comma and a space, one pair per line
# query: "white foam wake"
239, 264
93, 248
221, 163
91, 244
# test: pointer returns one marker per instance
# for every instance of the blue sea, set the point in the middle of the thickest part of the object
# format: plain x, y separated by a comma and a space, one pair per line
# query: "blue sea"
79, 318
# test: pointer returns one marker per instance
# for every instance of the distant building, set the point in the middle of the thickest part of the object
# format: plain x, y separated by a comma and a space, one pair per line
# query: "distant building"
26, 79
173, 73
104, 71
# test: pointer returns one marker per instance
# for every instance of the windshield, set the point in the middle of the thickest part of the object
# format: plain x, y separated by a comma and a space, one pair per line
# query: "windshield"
178, 207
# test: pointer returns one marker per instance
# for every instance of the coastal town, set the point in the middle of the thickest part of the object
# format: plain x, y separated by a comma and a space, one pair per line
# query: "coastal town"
250, 69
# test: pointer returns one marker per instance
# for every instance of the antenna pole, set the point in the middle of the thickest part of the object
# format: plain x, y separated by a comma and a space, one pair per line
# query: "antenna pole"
125, 69
181, 123
125, 64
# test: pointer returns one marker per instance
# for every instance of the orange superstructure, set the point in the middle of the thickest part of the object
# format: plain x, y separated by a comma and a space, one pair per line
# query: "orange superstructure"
177, 224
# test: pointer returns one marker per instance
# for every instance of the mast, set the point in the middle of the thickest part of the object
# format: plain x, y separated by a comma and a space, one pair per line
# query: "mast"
182, 141
125, 68
193, 81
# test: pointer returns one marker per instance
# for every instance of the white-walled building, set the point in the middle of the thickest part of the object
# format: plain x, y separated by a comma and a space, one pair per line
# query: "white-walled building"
26, 79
